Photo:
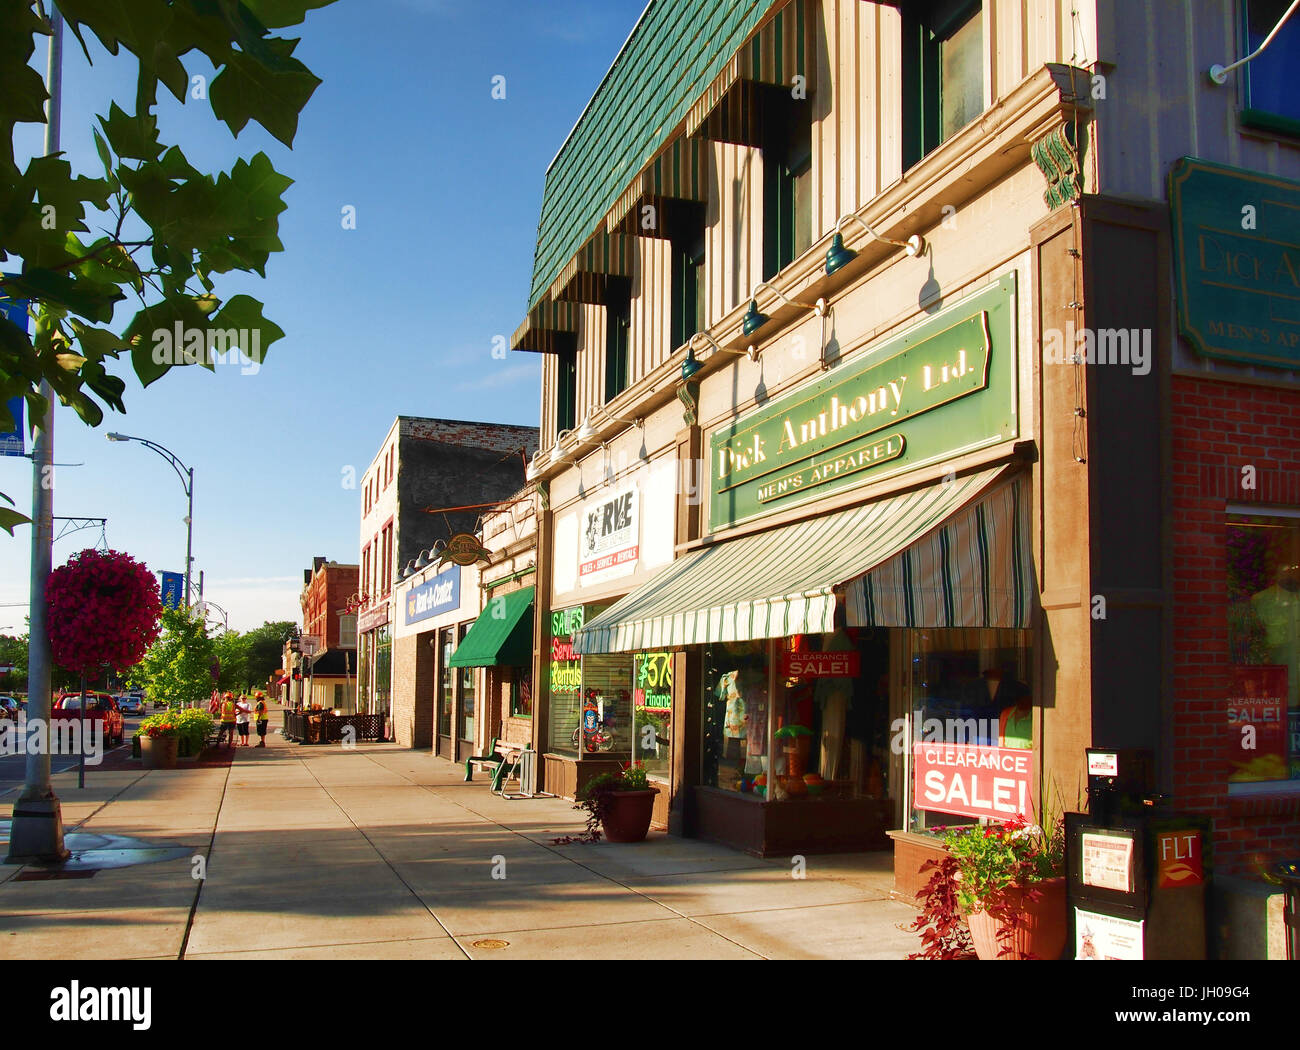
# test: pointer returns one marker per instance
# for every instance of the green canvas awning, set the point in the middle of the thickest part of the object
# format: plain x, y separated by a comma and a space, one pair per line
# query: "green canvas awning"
502, 636
781, 582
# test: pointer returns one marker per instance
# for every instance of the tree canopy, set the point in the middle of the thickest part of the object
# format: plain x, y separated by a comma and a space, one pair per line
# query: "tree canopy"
164, 231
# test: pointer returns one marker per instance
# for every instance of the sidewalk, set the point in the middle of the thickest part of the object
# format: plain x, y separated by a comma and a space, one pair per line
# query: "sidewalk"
380, 852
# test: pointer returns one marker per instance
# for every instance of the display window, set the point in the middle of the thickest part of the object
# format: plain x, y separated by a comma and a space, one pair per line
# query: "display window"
652, 713
467, 693
564, 669
1262, 712
446, 679
521, 692
590, 696
970, 726
736, 709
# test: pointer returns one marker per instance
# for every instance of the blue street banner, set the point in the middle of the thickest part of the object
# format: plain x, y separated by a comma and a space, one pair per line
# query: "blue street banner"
11, 441
173, 586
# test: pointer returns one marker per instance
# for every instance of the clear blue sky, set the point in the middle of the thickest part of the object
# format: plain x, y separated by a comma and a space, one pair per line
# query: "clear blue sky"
394, 317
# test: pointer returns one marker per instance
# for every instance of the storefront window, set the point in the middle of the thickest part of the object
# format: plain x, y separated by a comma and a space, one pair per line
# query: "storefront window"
446, 680
565, 670
521, 692
383, 670
971, 726
466, 694
736, 717
1263, 708
652, 705
606, 723
364, 663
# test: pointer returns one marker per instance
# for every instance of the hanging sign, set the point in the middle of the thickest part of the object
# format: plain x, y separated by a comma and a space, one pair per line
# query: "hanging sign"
821, 665
608, 545
11, 442
945, 385
973, 780
1257, 721
1237, 262
173, 589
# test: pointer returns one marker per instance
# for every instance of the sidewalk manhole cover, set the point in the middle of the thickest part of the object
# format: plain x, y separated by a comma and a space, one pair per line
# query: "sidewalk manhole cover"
491, 943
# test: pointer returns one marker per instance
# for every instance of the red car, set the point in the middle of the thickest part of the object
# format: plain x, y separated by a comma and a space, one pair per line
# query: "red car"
99, 707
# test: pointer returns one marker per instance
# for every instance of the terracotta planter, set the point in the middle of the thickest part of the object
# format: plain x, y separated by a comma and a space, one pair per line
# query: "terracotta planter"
159, 752
1039, 933
626, 816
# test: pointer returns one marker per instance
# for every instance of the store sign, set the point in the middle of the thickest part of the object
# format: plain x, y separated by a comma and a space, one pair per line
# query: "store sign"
1178, 859
1257, 721
608, 545
945, 386
821, 665
434, 596
1237, 262
654, 681
464, 548
973, 780
565, 666
375, 617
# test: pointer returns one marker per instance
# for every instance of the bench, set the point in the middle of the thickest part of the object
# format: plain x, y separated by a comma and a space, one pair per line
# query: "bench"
502, 759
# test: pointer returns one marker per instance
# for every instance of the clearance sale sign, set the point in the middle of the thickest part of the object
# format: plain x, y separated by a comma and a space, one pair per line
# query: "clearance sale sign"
973, 780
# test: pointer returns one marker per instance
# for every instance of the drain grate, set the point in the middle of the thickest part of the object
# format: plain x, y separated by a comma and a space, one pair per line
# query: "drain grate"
490, 942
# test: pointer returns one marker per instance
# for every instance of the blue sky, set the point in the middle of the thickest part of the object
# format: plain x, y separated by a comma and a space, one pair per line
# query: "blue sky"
394, 317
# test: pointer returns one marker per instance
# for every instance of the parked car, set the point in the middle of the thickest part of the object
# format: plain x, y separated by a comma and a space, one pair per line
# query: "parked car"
99, 707
9, 707
131, 704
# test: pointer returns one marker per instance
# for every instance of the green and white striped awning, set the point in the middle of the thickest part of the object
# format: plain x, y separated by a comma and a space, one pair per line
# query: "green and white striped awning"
782, 582
976, 570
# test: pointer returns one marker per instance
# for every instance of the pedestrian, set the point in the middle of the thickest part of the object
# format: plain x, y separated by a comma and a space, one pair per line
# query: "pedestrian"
228, 712
261, 713
241, 719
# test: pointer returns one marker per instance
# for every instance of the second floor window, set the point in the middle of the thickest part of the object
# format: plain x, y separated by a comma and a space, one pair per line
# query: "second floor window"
618, 343
688, 274
566, 391
943, 72
1268, 82
787, 184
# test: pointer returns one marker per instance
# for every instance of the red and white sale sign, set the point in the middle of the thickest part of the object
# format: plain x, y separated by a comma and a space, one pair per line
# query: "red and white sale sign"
973, 780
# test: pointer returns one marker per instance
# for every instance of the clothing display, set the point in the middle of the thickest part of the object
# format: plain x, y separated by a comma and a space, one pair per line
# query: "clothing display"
733, 722
1278, 609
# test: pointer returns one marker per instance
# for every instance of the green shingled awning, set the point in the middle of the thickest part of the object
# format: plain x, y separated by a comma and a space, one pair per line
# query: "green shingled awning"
502, 636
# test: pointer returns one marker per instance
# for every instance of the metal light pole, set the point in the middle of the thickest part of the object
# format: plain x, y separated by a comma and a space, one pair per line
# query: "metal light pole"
36, 835
186, 474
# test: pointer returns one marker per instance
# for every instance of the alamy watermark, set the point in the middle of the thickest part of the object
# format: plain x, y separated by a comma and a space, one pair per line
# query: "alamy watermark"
180, 345
1099, 346
60, 736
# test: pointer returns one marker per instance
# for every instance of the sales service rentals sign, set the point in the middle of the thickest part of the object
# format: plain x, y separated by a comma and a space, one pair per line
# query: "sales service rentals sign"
609, 543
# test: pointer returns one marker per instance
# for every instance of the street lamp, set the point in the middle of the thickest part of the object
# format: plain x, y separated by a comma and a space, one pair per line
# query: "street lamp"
186, 474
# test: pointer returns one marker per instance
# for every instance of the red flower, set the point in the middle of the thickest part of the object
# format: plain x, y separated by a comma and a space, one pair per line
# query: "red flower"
103, 609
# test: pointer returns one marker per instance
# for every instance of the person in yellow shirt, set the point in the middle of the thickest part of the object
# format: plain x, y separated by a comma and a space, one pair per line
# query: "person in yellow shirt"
261, 713
229, 709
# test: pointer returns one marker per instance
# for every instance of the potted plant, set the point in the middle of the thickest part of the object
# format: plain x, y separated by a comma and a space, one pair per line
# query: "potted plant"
160, 737
619, 805
1010, 881
796, 742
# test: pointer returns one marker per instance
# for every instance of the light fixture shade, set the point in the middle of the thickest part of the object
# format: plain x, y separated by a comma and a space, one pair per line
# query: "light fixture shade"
838, 256
691, 365
422, 561
753, 320
586, 432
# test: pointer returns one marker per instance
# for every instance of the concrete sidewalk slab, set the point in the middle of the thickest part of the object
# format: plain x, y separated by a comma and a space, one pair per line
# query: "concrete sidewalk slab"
377, 852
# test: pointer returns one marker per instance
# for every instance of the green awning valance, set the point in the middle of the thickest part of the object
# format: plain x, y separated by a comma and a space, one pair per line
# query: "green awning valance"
502, 636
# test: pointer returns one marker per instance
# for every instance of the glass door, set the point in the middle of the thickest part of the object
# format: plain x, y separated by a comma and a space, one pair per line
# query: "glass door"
465, 716
446, 690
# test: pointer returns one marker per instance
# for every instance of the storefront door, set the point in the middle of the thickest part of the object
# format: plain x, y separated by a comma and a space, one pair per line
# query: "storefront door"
446, 691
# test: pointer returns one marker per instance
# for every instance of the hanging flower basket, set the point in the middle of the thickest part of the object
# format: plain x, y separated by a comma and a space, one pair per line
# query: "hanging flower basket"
103, 609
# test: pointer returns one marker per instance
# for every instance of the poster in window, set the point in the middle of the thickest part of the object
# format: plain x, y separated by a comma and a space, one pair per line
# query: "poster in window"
1258, 723
1106, 936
